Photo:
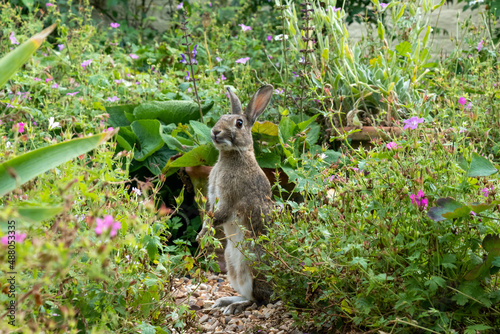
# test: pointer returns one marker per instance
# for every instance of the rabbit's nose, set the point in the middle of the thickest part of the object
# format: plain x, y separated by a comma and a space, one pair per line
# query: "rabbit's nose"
215, 132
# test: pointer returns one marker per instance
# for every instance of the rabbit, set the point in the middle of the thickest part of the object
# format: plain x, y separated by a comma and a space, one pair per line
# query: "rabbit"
239, 195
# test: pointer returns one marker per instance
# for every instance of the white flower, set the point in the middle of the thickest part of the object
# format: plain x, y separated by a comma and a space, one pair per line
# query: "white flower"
52, 124
322, 156
136, 191
280, 37
8, 144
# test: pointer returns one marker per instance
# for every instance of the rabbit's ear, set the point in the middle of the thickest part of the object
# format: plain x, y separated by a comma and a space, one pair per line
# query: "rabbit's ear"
259, 102
235, 103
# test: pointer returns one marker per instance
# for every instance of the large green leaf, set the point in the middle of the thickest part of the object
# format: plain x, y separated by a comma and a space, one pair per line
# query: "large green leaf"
21, 169
202, 131
286, 129
10, 63
28, 215
117, 114
201, 155
480, 166
157, 161
265, 128
148, 134
170, 111
444, 206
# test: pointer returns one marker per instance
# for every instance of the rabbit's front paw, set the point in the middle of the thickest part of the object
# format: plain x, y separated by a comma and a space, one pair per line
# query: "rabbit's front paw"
233, 305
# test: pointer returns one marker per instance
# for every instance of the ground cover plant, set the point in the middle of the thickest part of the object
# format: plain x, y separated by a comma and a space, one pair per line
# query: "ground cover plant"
398, 234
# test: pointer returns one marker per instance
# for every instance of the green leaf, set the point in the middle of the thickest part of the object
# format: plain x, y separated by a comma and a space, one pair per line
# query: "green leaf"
170, 111
21, 169
31, 214
359, 260
324, 54
148, 134
445, 205
269, 160
159, 159
490, 242
403, 48
303, 125
434, 282
201, 155
286, 129
202, 131
117, 116
10, 63
380, 30
480, 166
265, 128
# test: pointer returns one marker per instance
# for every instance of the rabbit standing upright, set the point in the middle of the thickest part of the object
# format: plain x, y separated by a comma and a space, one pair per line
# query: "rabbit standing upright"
239, 195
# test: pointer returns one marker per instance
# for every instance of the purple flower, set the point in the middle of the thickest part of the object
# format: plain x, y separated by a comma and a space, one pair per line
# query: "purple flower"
218, 59
114, 25
412, 123
187, 76
244, 27
419, 200
13, 39
86, 63
383, 5
113, 99
10, 105
138, 83
183, 58
107, 223
18, 237
55, 85
480, 46
48, 4
179, 6
73, 94
462, 129
243, 60
134, 56
222, 78
60, 47
277, 91
295, 75
392, 145
194, 54
269, 38
462, 101
303, 60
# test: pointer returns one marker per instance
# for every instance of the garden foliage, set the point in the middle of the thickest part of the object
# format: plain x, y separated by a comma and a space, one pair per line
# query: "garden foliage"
398, 235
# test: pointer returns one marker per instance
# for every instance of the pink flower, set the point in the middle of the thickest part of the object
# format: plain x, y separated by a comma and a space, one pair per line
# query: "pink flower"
60, 47
18, 237
462, 101
480, 46
13, 39
412, 123
114, 25
244, 27
48, 80
20, 127
113, 99
36, 79
119, 81
134, 56
419, 200
383, 5
269, 38
486, 191
277, 91
180, 6
106, 224
48, 4
55, 85
72, 94
392, 145
110, 128
243, 60
218, 59
86, 63
222, 78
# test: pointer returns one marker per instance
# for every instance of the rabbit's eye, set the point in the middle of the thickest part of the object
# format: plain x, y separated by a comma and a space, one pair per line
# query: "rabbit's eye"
239, 123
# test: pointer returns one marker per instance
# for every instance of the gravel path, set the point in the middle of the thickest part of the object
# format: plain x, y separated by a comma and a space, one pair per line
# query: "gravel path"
265, 319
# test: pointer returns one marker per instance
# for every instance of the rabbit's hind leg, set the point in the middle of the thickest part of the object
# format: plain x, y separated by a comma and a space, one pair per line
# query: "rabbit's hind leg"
233, 304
